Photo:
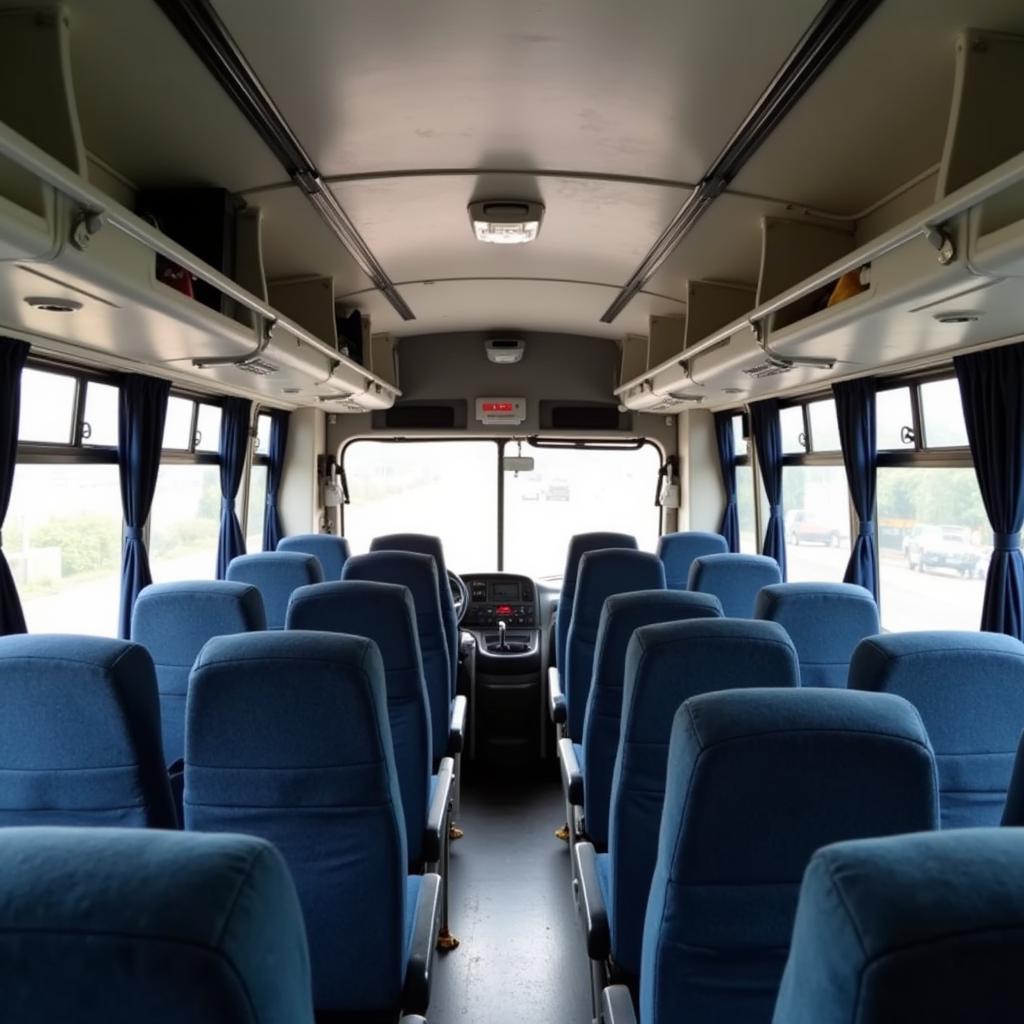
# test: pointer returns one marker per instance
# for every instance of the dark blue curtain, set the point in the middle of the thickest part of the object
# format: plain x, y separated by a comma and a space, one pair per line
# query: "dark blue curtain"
278, 446
730, 528
12, 360
855, 410
992, 389
234, 446
764, 421
142, 409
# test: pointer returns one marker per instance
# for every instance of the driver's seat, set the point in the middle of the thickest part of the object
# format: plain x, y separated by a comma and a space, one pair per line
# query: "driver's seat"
425, 544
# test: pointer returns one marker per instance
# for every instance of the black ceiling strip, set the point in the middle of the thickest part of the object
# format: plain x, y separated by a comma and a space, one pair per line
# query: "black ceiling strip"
833, 27
201, 27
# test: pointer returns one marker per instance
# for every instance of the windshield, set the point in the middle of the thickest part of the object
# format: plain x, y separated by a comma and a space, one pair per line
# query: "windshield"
450, 488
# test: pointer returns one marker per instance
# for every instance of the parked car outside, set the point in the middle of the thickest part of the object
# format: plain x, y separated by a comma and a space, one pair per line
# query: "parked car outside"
944, 547
805, 527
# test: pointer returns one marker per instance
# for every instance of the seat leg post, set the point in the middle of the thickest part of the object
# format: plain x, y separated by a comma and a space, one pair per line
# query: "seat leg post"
453, 830
445, 940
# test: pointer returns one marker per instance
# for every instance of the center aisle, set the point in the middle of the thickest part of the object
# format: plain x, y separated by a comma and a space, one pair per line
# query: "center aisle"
522, 956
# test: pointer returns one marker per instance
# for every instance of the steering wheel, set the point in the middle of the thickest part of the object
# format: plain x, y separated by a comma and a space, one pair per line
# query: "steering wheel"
460, 595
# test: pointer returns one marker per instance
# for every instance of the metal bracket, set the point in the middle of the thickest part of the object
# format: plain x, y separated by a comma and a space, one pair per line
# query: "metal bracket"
757, 326
267, 326
86, 224
942, 244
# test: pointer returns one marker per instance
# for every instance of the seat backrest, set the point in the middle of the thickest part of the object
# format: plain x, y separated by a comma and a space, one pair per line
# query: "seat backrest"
734, 579
287, 738
385, 614
1013, 811
665, 665
579, 545
80, 734
758, 780
173, 621
329, 550
419, 574
602, 574
275, 574
101, 925
969, 690
622, 615
825, 621
425, 544
926, 927
678, 550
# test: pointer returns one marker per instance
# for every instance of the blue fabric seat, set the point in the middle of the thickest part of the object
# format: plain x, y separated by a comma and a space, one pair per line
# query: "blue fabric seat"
80, 734
678, 550
622, 615
332, 552
419, 574
110, 926
275, 574
757, 780
969, 690
579, 545
425, 544
385, 614
665, 665
601, 574
825, 621
926, 927
734, 579
173, 621
287, 738
1013, 811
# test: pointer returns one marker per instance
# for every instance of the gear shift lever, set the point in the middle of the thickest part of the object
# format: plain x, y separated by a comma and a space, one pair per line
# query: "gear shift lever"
502, 645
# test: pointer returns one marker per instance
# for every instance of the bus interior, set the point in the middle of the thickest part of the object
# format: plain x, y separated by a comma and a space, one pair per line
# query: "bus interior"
511, 512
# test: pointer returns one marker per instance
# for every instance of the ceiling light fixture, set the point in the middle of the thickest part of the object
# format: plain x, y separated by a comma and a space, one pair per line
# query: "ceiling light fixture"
53, 305
506, 221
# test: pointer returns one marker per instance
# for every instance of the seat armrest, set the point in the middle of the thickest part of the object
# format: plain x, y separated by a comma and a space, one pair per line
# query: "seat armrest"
457, 725
556, 699
427, 923
590, 901
572, 776
437, 813
617, 1005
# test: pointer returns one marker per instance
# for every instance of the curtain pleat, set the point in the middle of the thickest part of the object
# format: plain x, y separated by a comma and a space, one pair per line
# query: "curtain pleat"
12, 361
278, 447
234, 446
764, 420
730, 528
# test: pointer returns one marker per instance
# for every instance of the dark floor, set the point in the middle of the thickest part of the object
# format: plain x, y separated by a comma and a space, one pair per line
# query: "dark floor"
522, 959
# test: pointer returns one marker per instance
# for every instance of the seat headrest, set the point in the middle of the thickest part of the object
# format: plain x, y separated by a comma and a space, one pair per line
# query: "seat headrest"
694, 656
92, 921
332, 552
912, 927
80, 732
736, 579
403, 568
288, 699
276, 574
611, 571
174, 620
825, 621
678, 550
969, 687
415, 543
381, 612
748, 764
580, 544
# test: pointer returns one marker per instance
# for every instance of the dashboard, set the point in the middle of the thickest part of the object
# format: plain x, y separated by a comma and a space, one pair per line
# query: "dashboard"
503, 597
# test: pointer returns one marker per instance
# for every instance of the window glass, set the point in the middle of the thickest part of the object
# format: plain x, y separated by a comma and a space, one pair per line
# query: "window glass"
893, 412
47, 407
62, 537
208, 428
745, 507
178, 425
739, 442
576, 490
101, 411
943, 414
257, 508
824, 426
263, 436
817, 522
184, 523
791, 422
446, 488
934, 544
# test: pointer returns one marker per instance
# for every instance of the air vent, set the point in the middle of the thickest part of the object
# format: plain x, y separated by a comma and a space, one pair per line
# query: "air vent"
260, 367
768, 368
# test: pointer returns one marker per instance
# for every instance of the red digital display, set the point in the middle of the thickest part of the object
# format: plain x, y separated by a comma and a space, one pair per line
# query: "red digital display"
503, 609
498, 407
